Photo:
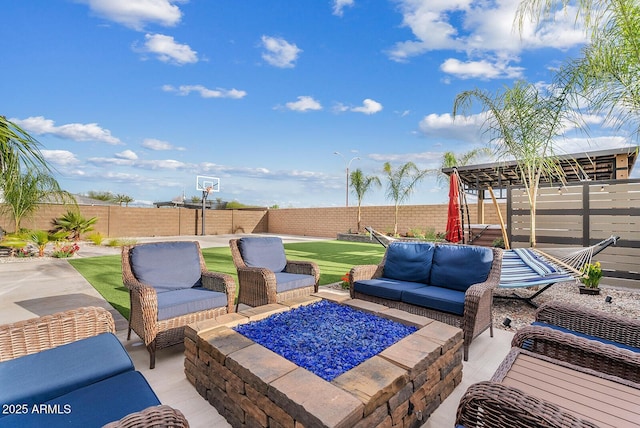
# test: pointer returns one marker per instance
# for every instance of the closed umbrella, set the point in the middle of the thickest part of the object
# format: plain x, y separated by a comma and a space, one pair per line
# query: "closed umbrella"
454, 227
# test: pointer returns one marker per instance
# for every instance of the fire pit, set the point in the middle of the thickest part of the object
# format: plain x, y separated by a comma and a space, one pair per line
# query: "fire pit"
251, 385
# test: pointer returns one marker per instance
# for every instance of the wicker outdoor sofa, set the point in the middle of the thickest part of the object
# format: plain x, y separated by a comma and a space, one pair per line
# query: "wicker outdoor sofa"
71, 365
446, 282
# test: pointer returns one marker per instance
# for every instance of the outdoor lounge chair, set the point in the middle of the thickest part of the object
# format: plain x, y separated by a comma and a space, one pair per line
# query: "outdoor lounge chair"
265, 275
585, 337
530, 267
170, 287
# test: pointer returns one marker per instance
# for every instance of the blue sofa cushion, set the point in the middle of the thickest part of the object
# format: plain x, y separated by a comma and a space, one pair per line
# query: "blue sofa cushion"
291, 281
459, 266
167, 265
588, 336
265, 252
437, 298
409, 261
175, 303
92, 406
385, 288
36, 378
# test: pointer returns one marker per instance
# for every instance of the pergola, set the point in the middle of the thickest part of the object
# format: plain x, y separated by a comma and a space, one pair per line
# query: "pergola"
603, 165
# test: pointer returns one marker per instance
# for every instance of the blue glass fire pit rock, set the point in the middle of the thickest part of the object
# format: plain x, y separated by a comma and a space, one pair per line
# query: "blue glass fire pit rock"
325, 338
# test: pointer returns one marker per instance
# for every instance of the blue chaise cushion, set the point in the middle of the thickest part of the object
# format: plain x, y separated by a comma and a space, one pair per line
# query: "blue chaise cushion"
37, 378
437, 298
167, 266
291, 281
409, 261
264, 252
460, 266
385, 288
91, 406
176, 303
588, 336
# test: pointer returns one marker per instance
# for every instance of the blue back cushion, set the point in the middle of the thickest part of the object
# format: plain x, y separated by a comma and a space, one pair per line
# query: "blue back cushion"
459, 266
409, 261
263, 252
588, 336
167, 265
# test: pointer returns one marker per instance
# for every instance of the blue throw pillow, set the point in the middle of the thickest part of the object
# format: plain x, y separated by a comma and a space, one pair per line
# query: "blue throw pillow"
265, 252
460, 266
167, 265
409, 261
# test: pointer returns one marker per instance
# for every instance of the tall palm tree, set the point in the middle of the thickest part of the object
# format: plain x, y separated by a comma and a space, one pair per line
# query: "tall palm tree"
122, 199
522, 124
361, 185
451, 159
606, 74
401, 183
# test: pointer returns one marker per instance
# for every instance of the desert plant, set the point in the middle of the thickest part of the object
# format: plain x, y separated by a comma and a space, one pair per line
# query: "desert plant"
96, 238
63, 250
74, 224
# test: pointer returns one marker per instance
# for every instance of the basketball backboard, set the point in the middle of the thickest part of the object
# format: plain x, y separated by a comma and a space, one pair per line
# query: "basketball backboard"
207, 184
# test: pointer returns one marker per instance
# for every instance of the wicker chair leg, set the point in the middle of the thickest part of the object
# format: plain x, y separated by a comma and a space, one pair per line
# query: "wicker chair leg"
465, 348
129, 332
152, 354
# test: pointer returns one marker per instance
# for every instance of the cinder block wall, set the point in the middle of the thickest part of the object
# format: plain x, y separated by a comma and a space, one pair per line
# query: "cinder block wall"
119, 222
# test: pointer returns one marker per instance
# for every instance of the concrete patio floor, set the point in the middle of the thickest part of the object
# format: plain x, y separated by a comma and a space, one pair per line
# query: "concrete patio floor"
41, 287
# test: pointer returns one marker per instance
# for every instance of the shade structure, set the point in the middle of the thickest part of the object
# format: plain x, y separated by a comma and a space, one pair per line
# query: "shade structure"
454, 226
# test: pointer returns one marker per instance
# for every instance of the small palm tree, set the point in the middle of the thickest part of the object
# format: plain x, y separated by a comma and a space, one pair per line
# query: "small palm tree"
361, 185
74, 224
122, 199
401, 183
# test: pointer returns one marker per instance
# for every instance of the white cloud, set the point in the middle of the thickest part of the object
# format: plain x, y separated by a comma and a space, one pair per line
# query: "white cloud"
484, 31
168, 50
127, 154
339, 5
369, 106
279, 52
463, 128
73, 131
155, 144
136, 13
304, 103
482, 69
205, 92
60, 157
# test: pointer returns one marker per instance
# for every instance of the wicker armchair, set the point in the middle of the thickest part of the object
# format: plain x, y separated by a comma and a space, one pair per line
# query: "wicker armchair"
490, 404
259, 286
158, 416
478, 303
576, 349
177, 262
38, 334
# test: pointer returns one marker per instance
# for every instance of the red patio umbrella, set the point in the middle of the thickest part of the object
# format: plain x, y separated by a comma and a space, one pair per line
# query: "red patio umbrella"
454, 226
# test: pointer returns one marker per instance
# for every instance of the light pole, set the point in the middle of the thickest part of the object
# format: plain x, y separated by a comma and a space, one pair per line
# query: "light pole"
348, 165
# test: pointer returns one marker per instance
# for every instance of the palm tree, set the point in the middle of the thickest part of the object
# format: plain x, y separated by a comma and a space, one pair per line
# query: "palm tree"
607, 73
361, 185
122, 199
522, 124
401, 183
18, 148
74, 224
22, 192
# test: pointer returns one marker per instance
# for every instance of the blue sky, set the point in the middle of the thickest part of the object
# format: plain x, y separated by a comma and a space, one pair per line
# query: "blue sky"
138, 97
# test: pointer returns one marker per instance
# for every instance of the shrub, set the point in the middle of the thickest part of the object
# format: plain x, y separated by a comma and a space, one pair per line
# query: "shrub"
65, 250
96, 238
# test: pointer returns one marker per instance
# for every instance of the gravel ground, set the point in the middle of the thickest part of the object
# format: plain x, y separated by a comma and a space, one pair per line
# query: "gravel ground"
625, 302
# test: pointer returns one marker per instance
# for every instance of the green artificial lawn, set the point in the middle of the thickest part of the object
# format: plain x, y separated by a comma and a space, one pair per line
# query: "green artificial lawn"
334, 258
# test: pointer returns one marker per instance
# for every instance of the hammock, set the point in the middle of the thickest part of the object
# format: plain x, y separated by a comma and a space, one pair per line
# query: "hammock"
531, 267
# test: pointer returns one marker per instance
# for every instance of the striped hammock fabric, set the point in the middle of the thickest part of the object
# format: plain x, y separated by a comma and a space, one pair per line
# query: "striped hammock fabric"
524, 268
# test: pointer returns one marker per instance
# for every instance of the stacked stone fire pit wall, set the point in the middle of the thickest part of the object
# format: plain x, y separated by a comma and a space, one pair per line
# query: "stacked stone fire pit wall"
252, 386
